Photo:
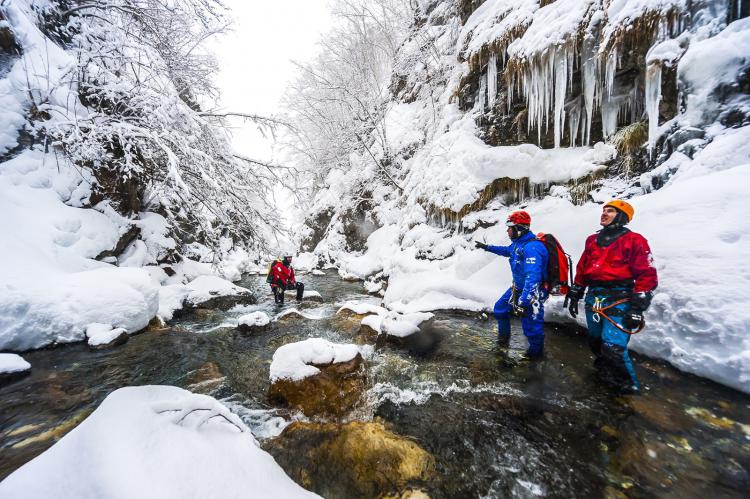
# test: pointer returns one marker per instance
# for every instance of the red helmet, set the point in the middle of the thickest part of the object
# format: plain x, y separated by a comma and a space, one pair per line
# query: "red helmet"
518, 218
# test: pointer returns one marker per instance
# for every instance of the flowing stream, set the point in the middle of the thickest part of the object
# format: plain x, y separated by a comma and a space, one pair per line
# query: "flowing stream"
496, 426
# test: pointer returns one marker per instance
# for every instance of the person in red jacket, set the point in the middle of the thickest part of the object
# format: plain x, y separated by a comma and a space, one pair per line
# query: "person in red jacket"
618, 269
281, 277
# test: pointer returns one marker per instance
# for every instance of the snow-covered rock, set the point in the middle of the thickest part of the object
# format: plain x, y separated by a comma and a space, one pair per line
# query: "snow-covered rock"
293, 360
154, 441
11, 363
104, 335
253, 321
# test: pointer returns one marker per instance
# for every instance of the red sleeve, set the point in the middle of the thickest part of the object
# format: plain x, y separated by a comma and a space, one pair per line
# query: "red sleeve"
582, 264
641, 263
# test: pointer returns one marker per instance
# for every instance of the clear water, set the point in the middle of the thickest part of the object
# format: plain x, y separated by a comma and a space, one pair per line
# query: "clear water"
497, 426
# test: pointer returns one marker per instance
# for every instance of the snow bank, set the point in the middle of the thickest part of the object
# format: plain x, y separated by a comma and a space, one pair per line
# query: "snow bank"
154, 441
254, 319
12, 363
361, 308
553, 25
292, 361
495, 20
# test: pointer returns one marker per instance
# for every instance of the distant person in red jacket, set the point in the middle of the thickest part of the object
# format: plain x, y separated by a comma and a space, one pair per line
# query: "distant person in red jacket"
281, 278
617, 268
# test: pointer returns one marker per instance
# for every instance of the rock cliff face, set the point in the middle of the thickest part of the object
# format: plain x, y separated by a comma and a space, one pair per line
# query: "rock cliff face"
556, 74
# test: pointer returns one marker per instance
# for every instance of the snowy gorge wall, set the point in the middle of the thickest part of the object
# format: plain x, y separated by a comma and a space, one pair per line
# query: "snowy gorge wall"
556, 107
115, 192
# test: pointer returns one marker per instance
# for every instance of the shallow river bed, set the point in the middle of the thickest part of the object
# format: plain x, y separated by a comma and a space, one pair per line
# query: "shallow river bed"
496, 426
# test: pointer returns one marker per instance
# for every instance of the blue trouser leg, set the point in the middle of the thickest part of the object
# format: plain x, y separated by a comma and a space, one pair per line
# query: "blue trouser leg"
502, 314
533, 328
612, 343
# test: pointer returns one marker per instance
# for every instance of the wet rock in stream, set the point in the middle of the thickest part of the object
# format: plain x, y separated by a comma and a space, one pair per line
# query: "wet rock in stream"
334, 392
356, 459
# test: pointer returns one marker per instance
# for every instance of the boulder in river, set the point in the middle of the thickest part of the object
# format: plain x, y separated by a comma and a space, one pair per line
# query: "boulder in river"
12, 367
356, 459
102, 336
318, 377
254, 322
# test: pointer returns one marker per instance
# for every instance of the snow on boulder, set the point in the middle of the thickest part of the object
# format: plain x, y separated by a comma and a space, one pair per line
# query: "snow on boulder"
318, 272
11, 363
318, 377
254, 321
154, 441
104, 335
293, 360
403, 325
205, 291
362, 308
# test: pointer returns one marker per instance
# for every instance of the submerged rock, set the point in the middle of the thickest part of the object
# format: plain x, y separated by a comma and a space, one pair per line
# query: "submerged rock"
206, 378
356, 459
333, 392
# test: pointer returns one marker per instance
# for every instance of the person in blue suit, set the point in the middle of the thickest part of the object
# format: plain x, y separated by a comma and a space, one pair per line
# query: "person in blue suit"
525, 298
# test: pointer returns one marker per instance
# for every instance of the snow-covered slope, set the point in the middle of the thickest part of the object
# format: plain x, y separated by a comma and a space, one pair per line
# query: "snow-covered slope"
473, 125
92, 231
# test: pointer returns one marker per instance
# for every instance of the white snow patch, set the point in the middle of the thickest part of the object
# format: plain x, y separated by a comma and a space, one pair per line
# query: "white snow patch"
12, 363
292, 361
101, 334
254, 319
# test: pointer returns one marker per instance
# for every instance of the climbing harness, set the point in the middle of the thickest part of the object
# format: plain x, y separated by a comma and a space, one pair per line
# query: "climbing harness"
599, 311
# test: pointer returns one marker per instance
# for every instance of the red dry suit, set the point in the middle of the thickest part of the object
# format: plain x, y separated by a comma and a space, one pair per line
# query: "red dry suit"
628, 258
281, 274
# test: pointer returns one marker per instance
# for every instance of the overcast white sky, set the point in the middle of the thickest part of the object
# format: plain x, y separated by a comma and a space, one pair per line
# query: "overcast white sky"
255, 66
255, 58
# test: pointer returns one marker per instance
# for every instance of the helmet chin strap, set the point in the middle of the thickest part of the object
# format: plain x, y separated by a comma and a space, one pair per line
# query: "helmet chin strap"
518, 231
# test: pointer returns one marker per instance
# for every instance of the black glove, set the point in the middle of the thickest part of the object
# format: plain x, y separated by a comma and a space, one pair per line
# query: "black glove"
632, 320
571, 299
639, 302
479, 245
519, 310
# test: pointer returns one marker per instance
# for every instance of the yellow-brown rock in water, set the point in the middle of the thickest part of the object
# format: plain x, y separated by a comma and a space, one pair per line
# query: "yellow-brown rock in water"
659, 412
290, 315
334, 392
56, 432
356, 459
206, 378
347, 321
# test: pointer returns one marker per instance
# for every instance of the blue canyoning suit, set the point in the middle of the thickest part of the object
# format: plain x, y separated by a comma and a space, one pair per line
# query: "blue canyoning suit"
528, 263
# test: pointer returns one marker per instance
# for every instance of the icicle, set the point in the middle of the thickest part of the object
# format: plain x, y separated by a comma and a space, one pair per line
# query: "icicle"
574, 112
492, 81
588, 71
482, 92
561, 80
611, 67
653, 97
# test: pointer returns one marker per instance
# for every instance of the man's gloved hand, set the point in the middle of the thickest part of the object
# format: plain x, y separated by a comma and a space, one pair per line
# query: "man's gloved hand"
572, 298
520, 310
639, 302
479, 245
632, 320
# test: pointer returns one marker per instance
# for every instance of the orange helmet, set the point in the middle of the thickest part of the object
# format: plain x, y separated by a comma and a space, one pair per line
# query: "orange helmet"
624, 207
518, 218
